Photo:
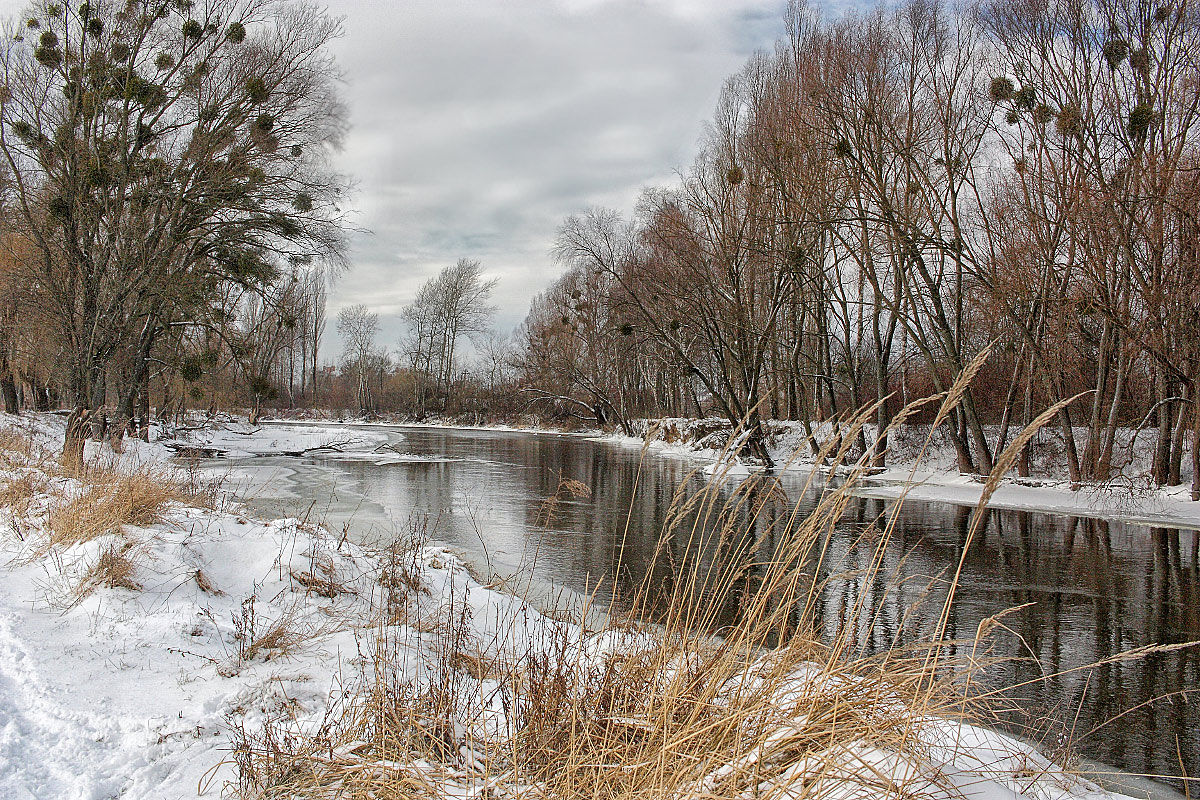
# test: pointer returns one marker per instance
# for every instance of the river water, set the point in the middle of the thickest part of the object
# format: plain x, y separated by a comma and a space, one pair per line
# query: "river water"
1085, 590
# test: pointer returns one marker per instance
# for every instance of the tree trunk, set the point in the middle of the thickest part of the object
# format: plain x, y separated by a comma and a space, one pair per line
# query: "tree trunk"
99, 415
8, 384
757, 442
124, 423
1177, 441
983, 451
956, 425
87, 382
8, 381
883, 414
8, 388
1195, 444
41, 398
1162, 447
1068, 431
1104, 471
1010, 401
144, 408
1023, 466
1091, 451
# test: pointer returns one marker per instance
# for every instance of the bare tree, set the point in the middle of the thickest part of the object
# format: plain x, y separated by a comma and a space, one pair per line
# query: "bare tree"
448, 307
158, 148
359, 328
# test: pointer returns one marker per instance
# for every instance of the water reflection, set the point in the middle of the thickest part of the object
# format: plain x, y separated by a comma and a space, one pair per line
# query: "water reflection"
1085, 590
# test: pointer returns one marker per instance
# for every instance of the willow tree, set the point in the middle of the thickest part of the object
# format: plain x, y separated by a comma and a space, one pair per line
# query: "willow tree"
1100, 103
160, 149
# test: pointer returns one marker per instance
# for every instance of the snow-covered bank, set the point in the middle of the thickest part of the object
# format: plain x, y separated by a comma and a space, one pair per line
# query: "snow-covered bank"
128, 660
149, 660
450, 425
1129, 497
237, 439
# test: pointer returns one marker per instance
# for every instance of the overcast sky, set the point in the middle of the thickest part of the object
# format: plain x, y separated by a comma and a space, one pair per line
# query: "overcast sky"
478, 126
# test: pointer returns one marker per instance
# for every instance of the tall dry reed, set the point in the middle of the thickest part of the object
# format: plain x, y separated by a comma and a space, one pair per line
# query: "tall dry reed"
674, 698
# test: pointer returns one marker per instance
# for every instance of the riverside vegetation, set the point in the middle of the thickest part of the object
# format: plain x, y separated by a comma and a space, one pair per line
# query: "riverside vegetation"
451, 688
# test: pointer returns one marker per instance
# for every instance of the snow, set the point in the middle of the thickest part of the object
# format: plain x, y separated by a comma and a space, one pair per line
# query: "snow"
137, 693
234, 439
531, 426
929, 473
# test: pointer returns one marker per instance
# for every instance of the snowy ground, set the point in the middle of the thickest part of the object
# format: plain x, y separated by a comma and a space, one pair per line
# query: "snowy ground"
236, 439
136, 690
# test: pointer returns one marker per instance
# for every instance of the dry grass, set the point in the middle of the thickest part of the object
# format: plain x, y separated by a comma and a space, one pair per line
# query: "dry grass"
111, 499
205, 584
17, 494
772, 704
85, 503
114, 569
17, 449
322, 578
283, 636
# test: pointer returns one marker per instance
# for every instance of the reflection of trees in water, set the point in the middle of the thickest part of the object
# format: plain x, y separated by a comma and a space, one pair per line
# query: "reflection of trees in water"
1091, 590
1094, 590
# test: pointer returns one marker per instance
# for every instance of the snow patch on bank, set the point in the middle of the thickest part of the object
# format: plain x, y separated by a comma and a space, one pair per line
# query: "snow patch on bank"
918, 472
236, 439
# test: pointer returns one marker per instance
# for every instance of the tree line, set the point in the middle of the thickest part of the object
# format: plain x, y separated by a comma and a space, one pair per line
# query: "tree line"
878, 200
426, 370
884, 196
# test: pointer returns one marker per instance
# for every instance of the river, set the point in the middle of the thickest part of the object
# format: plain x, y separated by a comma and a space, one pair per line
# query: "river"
1087, 589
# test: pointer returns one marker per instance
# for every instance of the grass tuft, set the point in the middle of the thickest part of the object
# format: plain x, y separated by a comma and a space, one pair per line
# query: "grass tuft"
205, 584
111, 499
114, 569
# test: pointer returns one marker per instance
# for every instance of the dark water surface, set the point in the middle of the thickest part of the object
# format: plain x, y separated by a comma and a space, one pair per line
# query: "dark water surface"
1090, 589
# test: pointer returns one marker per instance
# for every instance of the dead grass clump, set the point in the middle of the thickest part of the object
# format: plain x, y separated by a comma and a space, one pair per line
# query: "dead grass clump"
17, 448
273, 639
17, 493
205, 584
399, 575
142, 498
110, 500
84, 517
114, 569
322, 581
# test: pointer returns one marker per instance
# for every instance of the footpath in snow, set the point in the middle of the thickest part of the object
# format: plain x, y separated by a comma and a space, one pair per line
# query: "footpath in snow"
151, 635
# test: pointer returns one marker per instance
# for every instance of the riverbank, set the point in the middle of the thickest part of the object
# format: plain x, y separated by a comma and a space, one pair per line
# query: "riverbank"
1126, 500
158, 642
915, 471
921, 466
